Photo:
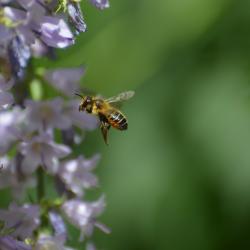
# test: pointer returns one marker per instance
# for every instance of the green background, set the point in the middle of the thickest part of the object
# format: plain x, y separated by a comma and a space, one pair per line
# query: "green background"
179, 178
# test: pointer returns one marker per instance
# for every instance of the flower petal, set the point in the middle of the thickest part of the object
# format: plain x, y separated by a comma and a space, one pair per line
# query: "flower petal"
100, 4
6, 99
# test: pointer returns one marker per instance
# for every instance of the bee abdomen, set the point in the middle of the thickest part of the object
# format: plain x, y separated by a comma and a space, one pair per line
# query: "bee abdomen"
118, 120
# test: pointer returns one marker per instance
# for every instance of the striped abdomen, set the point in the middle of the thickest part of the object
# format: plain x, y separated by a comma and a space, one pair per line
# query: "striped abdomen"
117, 120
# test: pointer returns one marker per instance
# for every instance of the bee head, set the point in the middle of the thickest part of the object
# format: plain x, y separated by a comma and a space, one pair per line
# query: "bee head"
86, 103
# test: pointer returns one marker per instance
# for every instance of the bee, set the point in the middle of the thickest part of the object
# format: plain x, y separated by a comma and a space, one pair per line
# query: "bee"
106, 110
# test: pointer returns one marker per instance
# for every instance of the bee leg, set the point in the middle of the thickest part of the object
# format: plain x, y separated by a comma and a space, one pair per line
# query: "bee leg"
105, 128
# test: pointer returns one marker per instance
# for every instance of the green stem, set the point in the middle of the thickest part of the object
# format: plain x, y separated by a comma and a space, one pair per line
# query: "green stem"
40, 184
41, 196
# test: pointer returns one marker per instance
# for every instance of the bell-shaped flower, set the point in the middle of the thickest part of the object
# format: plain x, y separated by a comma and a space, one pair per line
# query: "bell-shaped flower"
100, 4
10, 243
65, 80
46, 115
12, 177
83, 215
77, 174
56, 33
42, 151
22, 220
58, 225
82, 120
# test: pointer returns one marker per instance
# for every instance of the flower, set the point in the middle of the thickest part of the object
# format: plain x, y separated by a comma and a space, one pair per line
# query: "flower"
9, 243
34, 28
6, 99
45, 115
41, 150
19, 54
83, 214
58, 225
12, 177
23, 220
90, 246
100, 4
76, 174
76, 17
65, 79
82, 120
26, 23
47, 242
56, 33
9, 121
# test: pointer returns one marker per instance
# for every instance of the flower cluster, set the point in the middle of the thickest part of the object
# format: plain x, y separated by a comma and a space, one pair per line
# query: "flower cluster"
38, 135
30, 132
34, 28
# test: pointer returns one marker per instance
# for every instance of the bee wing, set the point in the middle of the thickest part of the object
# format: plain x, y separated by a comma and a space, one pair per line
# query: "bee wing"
121, 97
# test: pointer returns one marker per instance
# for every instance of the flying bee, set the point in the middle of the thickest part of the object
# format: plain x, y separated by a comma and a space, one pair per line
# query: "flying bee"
106, 110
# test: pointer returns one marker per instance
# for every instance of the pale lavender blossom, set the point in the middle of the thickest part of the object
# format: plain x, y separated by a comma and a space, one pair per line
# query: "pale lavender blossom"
6, 98
42, 151
83, 215
76, 17
77, 175
5, 85
23, 220
82, 120
90, 246
43, 115
65, 79
100, 4
9, 121
39, 49
56, 33
19, 55
50, 243
58, 225
9, 243
12, 177
6, 34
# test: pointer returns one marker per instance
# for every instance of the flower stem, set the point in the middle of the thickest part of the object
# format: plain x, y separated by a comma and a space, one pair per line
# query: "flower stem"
40, 184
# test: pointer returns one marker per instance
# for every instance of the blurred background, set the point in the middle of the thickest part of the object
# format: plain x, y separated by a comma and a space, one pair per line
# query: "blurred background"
179, 178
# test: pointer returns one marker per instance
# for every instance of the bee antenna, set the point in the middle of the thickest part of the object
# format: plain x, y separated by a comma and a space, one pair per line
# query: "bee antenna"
79, 95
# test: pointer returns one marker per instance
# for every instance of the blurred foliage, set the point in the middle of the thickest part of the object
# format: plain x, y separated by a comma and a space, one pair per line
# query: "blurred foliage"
179, 178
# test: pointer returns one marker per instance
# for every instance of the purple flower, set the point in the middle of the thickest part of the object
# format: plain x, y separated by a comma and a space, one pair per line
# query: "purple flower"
56, 33
50, 243
90, 246
76, 17
39, 49
77, 175
9, 243
42, 151
23, 220
12, 177
6, 99
6, 34
58, 225
15, 15
5, 85
19, 54
65, 79
100, 4
83, 215
45, 115
8, 122
82, 120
